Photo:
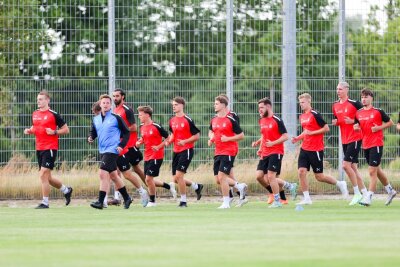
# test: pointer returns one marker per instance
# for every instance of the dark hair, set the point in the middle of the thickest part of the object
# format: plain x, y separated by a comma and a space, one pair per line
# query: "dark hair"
96, 107
222, 99
179, 100
122, 92
367, 92
146, 109
265, 101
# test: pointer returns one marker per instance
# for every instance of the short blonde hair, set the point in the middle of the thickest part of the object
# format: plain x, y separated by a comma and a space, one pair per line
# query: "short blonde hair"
306, 96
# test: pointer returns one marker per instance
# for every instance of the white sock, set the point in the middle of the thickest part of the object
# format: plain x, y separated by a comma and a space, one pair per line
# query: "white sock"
105, 200
388, 188
337, 183
226, 200
370, 193
356, 190
306, 195
287, 185
64, 189
45, 201
236, 185
183, 198
117, 195
194, 185
364, 191
141, 190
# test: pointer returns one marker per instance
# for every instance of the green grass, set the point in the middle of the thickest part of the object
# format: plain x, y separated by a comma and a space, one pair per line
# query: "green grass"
328, 233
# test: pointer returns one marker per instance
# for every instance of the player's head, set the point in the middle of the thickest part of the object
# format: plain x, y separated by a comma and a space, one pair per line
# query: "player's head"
305, 101
264, 106
43, 99
220, 103
119, 96
105, 103
96, 109
144, 113
367, 96
342, 89
178, 103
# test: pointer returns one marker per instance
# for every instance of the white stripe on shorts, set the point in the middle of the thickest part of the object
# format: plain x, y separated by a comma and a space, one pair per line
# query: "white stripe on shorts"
319, 159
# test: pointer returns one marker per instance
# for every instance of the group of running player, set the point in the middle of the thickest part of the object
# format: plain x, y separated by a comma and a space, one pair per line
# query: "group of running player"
361, 125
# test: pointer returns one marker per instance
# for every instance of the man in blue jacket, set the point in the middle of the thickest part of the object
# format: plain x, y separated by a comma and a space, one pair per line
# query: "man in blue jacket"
113, 135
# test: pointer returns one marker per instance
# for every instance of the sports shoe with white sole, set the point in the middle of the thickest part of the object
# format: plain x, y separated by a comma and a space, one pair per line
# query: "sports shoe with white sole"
241, 202
223, 206
242, 187
305, 202
144, 198
366, 200
275, 204
356, 199
151, 204
172, 190
390, 197
342, 185
293, 191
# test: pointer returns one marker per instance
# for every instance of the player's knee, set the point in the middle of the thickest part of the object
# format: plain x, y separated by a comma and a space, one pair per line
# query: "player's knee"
302, 171
320, 177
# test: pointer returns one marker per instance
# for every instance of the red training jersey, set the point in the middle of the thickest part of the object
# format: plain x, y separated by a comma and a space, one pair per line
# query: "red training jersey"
367, 118
152, 136
271, 129
227, 126
347, 109
42, 120
312, 121
127, 115
182, 128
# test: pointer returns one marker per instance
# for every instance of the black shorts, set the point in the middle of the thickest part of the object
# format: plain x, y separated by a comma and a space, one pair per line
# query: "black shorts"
223, 164
270, 163
46, 158
181, 160
315, 159
152, 167
134, 156
373, 155
351, 151
108, 162
123, 163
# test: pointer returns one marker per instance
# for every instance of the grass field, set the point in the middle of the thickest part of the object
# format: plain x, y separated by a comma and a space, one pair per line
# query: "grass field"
328, 233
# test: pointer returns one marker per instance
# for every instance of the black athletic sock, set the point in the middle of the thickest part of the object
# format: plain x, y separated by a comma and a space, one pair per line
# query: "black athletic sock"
152, 198
166, 186
124, 193
230, 193
102, 196
269, 189
282, 195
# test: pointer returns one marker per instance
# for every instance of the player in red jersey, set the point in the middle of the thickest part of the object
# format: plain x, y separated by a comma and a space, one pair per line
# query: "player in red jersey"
344, 112
226, 132
132, 155
312, 149
184, 134
372, 121
235, 116
271, 150
152, 135
47, 126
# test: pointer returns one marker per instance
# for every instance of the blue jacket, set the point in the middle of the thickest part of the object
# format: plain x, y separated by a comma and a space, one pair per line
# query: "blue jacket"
111, 131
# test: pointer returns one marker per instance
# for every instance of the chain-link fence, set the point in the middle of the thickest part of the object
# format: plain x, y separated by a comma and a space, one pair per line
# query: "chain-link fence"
167, 48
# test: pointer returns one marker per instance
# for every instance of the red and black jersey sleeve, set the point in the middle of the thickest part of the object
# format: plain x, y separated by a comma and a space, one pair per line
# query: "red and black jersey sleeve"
281, 125
59, 120
385, 117
235, 125
235, 116
125, 133
130, 115
193, 129
318, 118
357, 104
161, 130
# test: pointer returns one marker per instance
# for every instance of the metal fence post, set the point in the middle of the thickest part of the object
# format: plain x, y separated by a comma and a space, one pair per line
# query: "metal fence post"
229, 52
342, 72
111, 46
289, 87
